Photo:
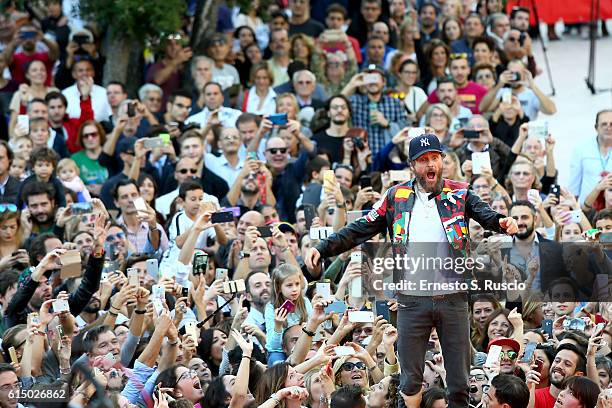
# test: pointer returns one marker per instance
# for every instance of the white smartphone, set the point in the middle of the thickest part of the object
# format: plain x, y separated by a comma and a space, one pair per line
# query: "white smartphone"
159, 306
24, 122
399, 175
342, 351
538, 129
415, 132
221, 273
191, 329
507, 96
371, 78
152, 268
324, 290
140, 204
361, 316
356, 257
60, 305
494, 354
133, 278
159, 292
576, 217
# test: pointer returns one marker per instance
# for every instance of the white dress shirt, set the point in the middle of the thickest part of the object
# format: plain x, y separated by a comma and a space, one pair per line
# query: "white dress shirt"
227, 117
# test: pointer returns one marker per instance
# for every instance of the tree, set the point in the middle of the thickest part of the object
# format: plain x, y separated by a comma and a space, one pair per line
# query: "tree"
128, 25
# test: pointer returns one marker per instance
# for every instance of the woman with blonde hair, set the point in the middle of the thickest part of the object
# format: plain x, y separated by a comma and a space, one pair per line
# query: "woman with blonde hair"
439, 118
12, 236
301, 49
260, 99
451, 167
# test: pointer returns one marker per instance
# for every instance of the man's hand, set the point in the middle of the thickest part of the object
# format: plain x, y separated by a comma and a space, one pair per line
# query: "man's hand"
509, 225
100, 232
312, 258
49, 262
85, 86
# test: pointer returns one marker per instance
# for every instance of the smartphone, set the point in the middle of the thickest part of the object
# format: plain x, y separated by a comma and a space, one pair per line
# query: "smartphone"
159, 306
574, 323
371, 78
507, 96
222, 217
337, 306
191, 328
493, 356
153, 142
538, 129
599, 328
104, 277
80, 39
605, 237
265, 231
140, 204
356, 286
81, 208
13, 355
159, 292
33, 318
415, 132
356, 257
515, 76
152, 268
234, 286
221, 273
288, 305
200, 263
471, 134
60, 305
556, 190
382, 309
529, 351
533, 194
576, 217
539, 364
60, 331
547, 325
185, 292
24, 122
324, 289
252, 156
329, 179
110, 359
309, 214
360, 316
133, 278
342, 351
365, 182
278, 119
131, 110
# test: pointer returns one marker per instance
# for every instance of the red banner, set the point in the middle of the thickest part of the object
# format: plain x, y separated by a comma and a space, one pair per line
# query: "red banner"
570, 11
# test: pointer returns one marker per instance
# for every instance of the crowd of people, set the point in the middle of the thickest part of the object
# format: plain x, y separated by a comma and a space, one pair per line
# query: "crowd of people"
156, 249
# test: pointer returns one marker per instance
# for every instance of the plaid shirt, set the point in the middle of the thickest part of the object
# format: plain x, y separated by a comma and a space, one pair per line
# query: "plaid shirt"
378, 136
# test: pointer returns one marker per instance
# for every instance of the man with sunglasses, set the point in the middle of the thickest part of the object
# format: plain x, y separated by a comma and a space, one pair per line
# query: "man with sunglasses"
508, 356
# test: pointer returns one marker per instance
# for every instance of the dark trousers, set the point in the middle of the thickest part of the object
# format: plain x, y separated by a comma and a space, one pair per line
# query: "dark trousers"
415, 319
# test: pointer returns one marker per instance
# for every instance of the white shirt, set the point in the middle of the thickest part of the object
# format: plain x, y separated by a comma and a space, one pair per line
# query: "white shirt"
268, 106
425, 223
226, 76
222, 168
99, 102
586, 167
163, 203
181, 223
415, 98
227, 116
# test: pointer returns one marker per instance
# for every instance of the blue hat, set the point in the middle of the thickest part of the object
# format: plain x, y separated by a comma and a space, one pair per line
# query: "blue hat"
423, 144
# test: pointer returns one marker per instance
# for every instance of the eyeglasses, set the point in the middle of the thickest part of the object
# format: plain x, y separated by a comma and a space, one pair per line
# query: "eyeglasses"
117, 236
513, 39
276, 150
90, 135
511, 355
478, 377
185, 171
521, 173
10, 387
8, 207
185, 375
350, 366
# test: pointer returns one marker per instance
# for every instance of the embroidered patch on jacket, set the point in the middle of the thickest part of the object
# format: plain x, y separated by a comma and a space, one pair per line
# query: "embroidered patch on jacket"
400, 227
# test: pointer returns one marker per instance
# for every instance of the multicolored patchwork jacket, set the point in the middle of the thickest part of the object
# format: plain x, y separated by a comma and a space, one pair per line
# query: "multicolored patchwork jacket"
456, 205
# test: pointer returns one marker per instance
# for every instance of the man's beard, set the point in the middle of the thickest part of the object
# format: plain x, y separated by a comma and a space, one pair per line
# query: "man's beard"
433, 188
339, 122
249, 191
90, 308
527, 233
259, 301
37, 218
556, 383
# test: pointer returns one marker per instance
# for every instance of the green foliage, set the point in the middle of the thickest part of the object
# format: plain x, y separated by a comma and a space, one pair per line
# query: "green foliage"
135, 19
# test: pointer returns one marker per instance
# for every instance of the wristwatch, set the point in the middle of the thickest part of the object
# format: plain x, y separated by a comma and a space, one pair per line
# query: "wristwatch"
243, 255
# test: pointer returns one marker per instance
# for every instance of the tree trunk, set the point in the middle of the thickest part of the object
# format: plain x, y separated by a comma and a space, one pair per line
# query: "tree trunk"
204, 25
123, 62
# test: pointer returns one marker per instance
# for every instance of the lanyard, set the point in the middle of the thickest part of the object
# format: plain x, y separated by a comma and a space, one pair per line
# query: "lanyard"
604, 163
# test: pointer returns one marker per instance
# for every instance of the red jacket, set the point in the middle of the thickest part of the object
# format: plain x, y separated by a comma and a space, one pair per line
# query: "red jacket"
72, 125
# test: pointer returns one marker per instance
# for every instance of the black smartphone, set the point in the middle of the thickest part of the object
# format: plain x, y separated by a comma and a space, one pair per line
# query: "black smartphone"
309, 214
522, 37
382, 309
471, 134
80, 39
131, 110
547, 327
200, 263
222, 216
265, 231
365, 182
487, 234
184, 292
516, 76
358, 143
556, 190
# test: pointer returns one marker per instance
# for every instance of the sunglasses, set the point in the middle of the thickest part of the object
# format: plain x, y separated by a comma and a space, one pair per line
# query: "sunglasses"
458, 55
90, 135
117, 236
350, 366
275, 150
511, 355
8, 207
185, 171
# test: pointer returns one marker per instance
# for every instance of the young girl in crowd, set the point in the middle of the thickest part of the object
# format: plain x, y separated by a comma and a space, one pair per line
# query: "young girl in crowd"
68, 173
287, 285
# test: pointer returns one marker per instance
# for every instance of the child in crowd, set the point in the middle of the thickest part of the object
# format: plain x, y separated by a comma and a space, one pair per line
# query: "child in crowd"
19, 168
43, 163
287, 285
68, 172
22, 147
39, 132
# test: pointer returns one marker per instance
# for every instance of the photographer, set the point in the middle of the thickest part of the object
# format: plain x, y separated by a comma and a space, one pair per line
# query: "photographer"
81, 45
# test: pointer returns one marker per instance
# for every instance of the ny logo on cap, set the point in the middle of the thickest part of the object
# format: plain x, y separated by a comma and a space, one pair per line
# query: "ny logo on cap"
424, 142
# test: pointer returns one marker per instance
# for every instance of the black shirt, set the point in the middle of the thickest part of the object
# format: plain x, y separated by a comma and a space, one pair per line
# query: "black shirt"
329, 144
505, 132
311, 28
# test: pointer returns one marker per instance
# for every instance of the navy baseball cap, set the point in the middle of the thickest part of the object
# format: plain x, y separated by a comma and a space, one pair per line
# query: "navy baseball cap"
423, 144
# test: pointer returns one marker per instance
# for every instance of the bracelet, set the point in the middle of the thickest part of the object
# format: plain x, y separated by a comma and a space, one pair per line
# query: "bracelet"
110, 312
340, 205
173, 344
65, 371
249, 357
311, 334
140, 311
495, 185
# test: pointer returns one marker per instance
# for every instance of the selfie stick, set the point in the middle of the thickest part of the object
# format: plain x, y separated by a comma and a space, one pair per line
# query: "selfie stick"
203, 322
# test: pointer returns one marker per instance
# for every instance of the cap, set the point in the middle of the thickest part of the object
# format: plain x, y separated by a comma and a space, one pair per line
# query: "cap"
286, 227
505, 341
422, 144
126, 145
